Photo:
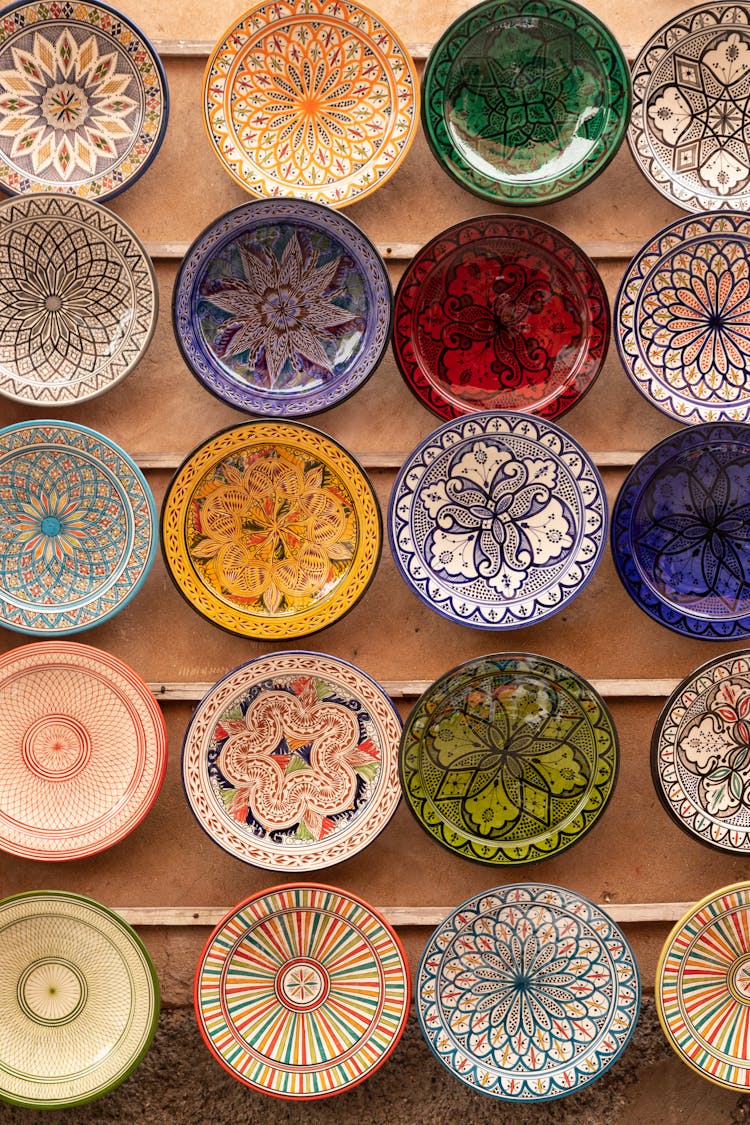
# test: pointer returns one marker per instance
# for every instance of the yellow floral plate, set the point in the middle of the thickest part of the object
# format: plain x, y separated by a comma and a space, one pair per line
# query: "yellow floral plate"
271, 530
316, 99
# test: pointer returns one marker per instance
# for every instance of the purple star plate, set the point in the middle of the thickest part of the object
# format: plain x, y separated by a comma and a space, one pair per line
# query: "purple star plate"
282, 308
681, 532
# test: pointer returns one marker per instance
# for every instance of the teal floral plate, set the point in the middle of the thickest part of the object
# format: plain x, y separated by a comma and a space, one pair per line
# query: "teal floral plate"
509, 758
525, 101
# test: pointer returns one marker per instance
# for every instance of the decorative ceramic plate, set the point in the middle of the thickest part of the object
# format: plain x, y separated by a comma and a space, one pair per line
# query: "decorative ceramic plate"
77, 528
500, 312
316, 99
83, 100
271, 530
525, 101
528, 993
282, 307
79, 997
78, 300
681, 532
699, 751
84, 750
291, 761
498, 520
683, 319
689, 132
509, 758
703, 987
302, 991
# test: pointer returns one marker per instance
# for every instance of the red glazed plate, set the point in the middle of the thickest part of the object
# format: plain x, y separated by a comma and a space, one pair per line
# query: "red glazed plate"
501, 313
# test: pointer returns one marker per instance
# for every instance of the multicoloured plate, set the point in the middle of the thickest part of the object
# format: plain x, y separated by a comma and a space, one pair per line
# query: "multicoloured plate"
291, 761
83, 100
316, 99
78, 300
527, 993
79, 997
498, 520
509, 758
282, 307
271, 530
699, 753
703, 987
500, 312
688, 131
683, 319
77, 528
302, 991
681, 532
525, 101
84, 750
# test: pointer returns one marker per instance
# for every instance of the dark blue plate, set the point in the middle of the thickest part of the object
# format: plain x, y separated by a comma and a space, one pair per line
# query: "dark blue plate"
681, 532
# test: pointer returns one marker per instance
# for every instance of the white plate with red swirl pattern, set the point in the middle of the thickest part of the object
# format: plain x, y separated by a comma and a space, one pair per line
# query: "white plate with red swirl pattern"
290, 762
83, 754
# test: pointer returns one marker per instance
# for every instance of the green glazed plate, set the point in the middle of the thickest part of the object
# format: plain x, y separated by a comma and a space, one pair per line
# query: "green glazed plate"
525, 101
509, 758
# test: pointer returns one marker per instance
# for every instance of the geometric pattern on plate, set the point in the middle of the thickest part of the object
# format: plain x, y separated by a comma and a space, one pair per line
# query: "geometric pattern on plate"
83, 753
703, 987
509, 758
683, 319
689, 131
271, 530
527, 993
79, 997
291, 761
681, 532
83, 100
316, 99
700, 753
500, 312
302, 991
282, 307
78, 300
498, 519
77, 528
525, 101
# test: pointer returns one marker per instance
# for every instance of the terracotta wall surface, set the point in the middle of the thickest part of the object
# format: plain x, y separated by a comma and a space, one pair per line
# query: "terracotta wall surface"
635, 854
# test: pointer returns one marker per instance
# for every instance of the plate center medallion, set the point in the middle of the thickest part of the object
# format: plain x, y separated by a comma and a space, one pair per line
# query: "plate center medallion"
57, 747
302, 985
738, 979
51, 991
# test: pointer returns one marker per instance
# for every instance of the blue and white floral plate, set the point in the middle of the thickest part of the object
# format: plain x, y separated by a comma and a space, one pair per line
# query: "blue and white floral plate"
528, 993
682, 319
282, 307
497, 520
681, 532
77, 528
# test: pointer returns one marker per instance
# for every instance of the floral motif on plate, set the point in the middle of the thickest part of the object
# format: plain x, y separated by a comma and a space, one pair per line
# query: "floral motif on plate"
83, 100
527, 993
79, 997
84, 750
500, 312
77, 528
703, 987
302, 991
316, 99
291, 761
282, 307
700, 753
509, 758
271, 530
683, 319
525, 101
78, 300
681, 532
689, 132
497, 520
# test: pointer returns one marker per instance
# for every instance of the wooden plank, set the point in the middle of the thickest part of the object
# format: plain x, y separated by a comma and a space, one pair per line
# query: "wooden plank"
405, 251
633, 913
604, 459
